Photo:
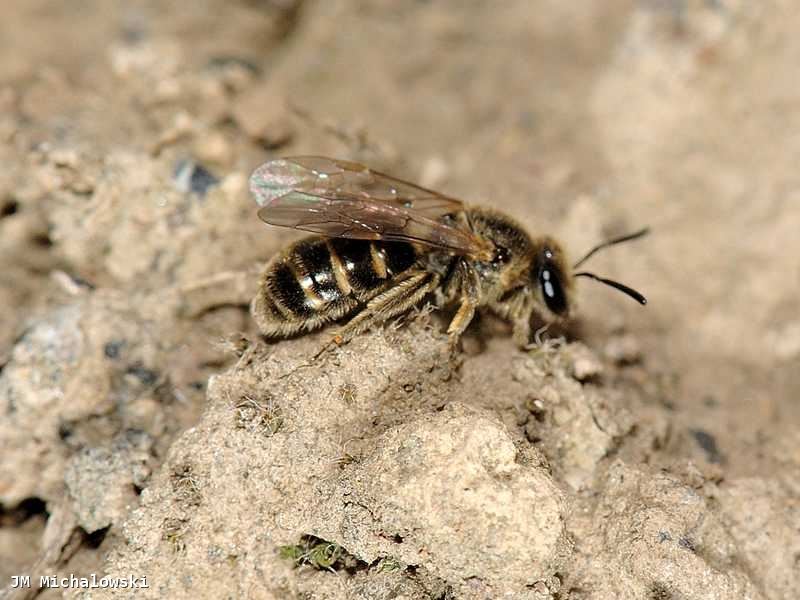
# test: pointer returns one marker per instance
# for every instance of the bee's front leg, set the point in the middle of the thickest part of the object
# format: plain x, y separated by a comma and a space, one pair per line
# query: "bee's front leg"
520, 316
521, 333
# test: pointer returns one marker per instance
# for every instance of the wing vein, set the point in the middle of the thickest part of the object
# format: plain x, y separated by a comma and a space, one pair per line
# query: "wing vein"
338, 198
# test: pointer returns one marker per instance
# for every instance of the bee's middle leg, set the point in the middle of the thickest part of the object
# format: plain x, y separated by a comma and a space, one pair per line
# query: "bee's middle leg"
461, 320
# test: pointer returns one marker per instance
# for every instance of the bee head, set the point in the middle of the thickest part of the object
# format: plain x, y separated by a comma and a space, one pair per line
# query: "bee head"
550, 278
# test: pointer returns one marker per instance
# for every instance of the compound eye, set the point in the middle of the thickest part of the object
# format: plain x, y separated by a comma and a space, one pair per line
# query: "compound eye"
552, 291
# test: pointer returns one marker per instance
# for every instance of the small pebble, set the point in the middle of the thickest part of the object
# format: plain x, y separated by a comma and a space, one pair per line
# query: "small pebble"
193, 177
585, 365
623, 350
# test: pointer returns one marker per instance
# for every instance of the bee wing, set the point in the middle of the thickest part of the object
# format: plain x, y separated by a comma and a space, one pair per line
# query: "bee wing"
332, 178
345, 199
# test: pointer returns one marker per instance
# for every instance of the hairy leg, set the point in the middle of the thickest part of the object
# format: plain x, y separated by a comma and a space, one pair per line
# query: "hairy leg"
517, 310
394, 301
461, 320
520, 317
470, 298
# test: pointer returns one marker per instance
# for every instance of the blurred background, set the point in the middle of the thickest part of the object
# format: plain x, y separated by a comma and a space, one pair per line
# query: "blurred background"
128, 129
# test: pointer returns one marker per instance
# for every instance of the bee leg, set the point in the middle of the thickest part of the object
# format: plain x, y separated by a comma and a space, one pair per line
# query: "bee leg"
461, 321
468, 281
520, 316
521, 333
394, 301
326, 346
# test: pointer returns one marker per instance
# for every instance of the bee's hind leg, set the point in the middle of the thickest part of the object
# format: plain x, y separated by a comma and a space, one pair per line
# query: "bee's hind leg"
394, 301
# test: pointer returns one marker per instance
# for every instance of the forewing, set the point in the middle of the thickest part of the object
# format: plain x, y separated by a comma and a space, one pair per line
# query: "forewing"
332, 178
343, 199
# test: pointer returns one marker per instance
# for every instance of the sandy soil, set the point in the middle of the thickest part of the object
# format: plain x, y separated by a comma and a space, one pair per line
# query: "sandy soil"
147, 430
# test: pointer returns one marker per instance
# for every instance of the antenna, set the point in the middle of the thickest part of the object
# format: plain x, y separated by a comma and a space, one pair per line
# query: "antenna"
619, 240
617, 286
610, 282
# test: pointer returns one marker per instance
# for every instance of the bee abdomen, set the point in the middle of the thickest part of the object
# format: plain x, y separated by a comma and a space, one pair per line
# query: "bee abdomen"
318, 280
300, 283
366, 267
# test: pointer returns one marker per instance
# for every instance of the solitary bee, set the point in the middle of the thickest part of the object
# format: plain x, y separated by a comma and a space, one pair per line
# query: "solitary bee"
384, 244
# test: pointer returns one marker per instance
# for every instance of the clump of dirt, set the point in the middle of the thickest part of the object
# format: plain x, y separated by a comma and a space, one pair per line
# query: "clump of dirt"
148, 431
439, 493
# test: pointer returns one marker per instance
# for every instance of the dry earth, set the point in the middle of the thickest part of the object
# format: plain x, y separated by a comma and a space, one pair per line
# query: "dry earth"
147, 429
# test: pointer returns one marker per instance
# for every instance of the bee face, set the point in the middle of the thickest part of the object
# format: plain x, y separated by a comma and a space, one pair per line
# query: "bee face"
550, 279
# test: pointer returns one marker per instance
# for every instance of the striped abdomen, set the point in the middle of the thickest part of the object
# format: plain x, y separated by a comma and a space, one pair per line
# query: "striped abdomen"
317, 280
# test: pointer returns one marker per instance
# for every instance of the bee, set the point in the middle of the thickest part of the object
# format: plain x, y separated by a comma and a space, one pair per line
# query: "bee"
382, 245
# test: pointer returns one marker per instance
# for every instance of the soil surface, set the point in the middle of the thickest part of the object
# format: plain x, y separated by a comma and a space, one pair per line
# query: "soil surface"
147, 430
